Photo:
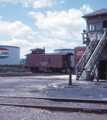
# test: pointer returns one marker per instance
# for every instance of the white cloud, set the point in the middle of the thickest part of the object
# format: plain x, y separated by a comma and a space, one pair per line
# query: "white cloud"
63, 34
58, 20
17, 1
56, 30
35, 3
60, 24
86, 8
25, 4
16, 29
3, 5
61, 2
42, 3
0, 17
49, 44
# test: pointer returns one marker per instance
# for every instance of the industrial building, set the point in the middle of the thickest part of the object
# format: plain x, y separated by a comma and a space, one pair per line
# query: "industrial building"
93, 63
9, 55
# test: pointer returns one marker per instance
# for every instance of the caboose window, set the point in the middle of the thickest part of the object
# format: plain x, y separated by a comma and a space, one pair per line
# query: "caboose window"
98, 26
91, 27
49, 60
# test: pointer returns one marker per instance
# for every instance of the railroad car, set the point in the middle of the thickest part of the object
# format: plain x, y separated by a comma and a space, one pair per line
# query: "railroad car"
38, 60
78, 52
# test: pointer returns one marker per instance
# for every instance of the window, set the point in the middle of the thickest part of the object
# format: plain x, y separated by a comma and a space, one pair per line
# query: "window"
49, 59
98, 26
91, 27
105, 24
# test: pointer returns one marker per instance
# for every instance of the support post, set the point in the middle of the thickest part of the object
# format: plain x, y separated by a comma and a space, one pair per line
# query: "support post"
70, 78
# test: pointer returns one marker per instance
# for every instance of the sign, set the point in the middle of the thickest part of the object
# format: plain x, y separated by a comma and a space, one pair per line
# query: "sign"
80, 52
4, 53
43, 63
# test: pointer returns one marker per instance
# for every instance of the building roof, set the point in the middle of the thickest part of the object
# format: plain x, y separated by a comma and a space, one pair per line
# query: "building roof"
96, 13
36, 49
48, 54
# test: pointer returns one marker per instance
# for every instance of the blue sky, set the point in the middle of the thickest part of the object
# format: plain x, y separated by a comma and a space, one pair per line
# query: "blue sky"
51, 24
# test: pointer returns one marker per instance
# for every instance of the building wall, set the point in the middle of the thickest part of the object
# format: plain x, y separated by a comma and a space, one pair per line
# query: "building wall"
95, 20
9, 55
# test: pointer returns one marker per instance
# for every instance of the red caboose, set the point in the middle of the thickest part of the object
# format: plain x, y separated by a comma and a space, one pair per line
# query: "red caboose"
39, 61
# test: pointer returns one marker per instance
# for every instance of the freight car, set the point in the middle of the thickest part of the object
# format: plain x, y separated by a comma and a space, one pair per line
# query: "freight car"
78, 52
38, 60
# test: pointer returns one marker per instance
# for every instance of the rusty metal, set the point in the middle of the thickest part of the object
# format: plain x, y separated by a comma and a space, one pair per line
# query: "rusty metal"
58, 108
62, 99
70, 78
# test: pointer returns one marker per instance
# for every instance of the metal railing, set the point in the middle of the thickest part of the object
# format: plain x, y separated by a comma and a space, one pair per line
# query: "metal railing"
90, 56
98, 48
86, 53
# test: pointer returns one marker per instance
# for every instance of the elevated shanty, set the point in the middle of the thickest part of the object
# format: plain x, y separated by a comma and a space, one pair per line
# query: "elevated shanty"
93, 63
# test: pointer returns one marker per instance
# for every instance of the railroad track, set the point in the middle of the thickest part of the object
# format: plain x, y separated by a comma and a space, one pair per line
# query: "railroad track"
60, 108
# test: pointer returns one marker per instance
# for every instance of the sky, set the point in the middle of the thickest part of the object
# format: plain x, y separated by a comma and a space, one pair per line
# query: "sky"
53, 24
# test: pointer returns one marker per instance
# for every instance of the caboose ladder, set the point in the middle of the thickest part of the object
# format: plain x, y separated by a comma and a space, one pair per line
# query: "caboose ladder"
86, 66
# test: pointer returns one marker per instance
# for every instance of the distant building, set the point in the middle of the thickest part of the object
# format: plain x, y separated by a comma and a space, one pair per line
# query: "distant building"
64, 51
22, 61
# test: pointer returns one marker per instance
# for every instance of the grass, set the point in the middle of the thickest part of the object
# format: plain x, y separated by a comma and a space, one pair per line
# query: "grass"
11, 66
33, 90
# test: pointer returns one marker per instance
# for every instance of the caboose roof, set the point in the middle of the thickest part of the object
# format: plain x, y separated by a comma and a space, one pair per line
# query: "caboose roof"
96, 13
36, 49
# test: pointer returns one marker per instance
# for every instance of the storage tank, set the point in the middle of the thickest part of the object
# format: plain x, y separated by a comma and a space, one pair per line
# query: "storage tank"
9, 55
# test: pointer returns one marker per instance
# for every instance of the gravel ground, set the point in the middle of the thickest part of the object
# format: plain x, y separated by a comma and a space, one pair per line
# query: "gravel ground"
18, 113
49, 86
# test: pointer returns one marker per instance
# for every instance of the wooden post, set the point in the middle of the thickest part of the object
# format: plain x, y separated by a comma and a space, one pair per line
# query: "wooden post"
70, 78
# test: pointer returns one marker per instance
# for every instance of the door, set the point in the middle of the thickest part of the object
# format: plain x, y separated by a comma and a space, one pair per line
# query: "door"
103, 70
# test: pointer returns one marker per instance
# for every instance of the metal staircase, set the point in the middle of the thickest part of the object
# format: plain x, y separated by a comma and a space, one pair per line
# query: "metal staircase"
87, 65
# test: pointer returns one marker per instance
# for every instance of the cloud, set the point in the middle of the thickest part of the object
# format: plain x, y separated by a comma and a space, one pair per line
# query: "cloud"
58, 29
3, 5
42, 3
61, 2
60, 24
16, 29
0, 17
35, 3
86, 8
49, 44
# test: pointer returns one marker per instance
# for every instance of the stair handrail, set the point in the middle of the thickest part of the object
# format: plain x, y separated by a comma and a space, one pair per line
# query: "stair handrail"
85, 51
95, 49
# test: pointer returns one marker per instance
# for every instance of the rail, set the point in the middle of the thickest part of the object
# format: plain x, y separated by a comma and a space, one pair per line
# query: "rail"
60, 108
61, 99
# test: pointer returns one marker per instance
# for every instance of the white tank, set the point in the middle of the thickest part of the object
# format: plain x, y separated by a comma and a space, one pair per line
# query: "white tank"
9, 55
